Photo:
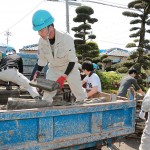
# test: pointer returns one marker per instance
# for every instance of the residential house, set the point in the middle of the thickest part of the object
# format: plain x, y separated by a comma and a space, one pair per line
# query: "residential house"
2, 47
29, 49
116, 54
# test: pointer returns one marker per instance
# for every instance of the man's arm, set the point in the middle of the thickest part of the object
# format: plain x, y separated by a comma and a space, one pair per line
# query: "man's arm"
137, 87
92, 91
83, 82
20, 65
145, 105
141, 92
37, 72
69, 45
69, 68
63, 77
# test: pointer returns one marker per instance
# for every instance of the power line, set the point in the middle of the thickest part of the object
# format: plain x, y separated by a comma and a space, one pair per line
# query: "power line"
110, 5
23, 17
112, 42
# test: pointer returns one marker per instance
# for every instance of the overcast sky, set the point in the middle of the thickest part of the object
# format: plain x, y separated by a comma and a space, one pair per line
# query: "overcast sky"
112, 28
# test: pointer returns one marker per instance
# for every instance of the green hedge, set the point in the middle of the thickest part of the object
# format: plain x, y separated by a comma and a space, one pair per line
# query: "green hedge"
110, 81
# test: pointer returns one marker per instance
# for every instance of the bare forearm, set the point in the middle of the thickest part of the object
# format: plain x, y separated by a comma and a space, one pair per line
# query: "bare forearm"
141, 92
92, 91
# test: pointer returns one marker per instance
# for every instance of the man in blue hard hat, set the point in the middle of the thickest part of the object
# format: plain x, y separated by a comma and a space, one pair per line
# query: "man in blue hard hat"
57, 48
11, 69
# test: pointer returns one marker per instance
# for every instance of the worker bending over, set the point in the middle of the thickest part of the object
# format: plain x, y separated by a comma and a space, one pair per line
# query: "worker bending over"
127, 83
57, 49
11, 69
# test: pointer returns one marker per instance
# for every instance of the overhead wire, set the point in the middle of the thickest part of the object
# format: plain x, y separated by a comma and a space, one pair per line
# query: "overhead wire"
111, 42
111, 5
98, 2
23, 17
107, 3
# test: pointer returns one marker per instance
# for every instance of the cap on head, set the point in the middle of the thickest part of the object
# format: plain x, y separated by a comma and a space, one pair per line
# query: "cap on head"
10, 50
41, 19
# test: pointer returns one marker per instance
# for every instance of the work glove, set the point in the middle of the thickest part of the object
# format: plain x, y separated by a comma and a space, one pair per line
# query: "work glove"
36, 75
61, 80
142, 114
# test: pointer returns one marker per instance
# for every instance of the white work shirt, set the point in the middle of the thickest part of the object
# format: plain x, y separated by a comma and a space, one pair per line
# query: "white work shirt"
58, 57
92, 81
146, 102
64, 51
145, 139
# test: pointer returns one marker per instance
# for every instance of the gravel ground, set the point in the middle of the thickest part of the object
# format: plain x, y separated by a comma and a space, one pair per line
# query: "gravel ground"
127, 144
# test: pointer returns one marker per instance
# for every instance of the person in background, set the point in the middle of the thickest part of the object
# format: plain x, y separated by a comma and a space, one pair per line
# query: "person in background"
127, 83
95, 66
11, 69
145, 139
92, 81
57, 49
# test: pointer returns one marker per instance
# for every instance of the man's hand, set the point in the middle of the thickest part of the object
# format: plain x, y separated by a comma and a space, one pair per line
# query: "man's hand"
142, 114
61, 80
36, 75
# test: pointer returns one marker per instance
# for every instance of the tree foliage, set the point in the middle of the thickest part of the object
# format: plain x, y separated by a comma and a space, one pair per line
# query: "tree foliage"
85, 47
140, 13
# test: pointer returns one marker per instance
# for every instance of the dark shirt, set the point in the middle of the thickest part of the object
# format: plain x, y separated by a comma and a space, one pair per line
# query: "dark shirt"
12, 60
125, 84
68, 70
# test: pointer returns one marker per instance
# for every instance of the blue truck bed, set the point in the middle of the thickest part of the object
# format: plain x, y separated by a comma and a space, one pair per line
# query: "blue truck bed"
66, 127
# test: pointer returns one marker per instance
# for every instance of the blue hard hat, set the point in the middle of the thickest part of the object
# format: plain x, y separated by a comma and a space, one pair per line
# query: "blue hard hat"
10, 50
95, 66
41, 19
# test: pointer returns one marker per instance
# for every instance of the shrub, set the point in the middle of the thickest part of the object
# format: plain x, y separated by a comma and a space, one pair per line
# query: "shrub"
110, 81
100, 65
122, 70
106, 60
128, 64
108, 68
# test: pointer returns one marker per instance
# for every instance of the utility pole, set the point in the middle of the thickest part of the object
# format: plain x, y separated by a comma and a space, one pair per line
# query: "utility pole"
7, 34
67, 11
67, 16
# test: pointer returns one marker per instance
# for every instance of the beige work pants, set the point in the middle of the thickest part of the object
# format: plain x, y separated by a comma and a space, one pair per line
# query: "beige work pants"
73, 79
145, 139
14, 76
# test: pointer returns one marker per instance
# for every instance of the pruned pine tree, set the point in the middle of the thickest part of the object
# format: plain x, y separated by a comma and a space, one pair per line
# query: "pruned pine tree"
140, 58
85, 47
140, 12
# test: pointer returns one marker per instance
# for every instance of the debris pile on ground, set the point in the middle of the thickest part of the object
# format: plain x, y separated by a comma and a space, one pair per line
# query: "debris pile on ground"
140, 123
